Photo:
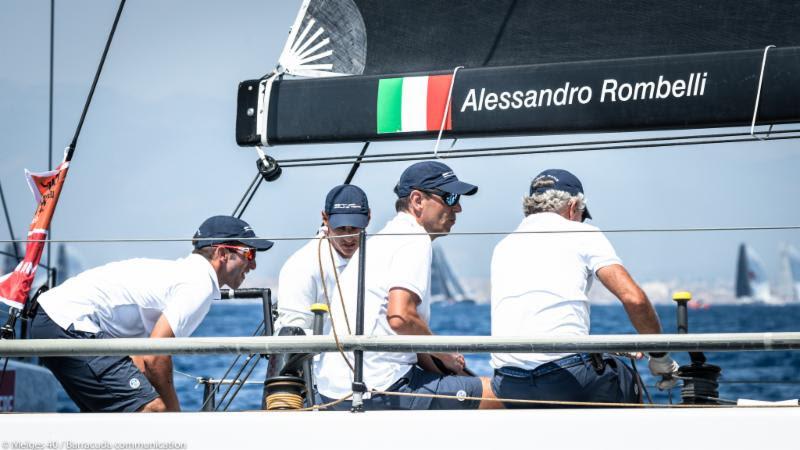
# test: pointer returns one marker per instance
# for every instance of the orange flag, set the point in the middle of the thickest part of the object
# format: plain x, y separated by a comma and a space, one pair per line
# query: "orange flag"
46, 187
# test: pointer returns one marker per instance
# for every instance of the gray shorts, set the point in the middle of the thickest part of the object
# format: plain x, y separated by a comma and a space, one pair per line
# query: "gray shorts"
572, 378
420, 381
94, 383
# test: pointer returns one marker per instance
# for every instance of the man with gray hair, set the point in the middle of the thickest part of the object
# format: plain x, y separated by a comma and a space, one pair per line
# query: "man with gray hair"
541, 275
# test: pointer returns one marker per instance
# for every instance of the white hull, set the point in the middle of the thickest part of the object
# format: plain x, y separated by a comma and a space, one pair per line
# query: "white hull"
653, 429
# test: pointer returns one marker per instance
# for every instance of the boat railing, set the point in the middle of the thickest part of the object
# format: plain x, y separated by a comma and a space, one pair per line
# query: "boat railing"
619, 343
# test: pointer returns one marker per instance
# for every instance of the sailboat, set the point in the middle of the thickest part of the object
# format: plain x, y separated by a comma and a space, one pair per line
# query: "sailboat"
445, 285
752, 283
359, 70
790, 260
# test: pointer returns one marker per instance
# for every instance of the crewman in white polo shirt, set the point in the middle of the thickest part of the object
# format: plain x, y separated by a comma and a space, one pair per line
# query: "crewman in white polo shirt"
541, 275
141, 298
302, 281
397, 301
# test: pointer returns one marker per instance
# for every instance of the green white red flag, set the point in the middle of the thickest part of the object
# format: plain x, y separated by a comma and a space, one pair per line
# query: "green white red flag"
413, 104
46, 188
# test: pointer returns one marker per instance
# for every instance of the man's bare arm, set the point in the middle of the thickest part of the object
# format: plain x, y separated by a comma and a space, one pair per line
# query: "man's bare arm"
403, 318
640, 311
158, 368
402, 315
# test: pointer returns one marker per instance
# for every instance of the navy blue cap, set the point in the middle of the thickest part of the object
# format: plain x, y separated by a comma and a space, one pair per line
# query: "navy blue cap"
563, 181
432, 175
221, 229
346, 206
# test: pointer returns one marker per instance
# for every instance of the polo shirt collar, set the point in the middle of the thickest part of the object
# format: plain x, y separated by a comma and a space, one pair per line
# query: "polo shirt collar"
407, 220
545, 217
201, 262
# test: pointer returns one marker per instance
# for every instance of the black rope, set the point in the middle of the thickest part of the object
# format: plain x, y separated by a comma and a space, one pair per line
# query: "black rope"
8, 222
246, 193
74, 143
252, 194
544, 148
259, 331
356, 164
242, 383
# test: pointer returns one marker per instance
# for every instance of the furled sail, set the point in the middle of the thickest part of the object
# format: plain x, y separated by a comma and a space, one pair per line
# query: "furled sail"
751, 277
529, 67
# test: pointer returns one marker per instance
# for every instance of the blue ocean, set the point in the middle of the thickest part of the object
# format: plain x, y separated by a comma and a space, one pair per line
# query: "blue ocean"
755, 375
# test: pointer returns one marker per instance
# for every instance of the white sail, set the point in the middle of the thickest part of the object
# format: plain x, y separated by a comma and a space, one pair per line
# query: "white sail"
790, 260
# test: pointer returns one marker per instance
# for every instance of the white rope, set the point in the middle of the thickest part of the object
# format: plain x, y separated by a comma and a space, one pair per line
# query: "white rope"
446, 111
758, 96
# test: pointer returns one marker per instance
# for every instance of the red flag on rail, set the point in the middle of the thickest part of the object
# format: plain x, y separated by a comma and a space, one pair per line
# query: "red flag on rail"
46, 187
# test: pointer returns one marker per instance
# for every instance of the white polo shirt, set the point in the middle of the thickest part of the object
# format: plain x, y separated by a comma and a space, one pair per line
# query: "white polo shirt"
300, 284
125, 299
397, 261
540, 282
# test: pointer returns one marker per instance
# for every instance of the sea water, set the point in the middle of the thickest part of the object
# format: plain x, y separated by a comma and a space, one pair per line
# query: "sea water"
756, 375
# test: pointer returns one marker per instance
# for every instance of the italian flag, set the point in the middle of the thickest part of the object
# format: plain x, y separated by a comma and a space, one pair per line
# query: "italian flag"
413, 104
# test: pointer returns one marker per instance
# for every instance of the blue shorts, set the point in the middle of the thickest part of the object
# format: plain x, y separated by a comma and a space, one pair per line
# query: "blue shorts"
572, 378
94, 383
420, 381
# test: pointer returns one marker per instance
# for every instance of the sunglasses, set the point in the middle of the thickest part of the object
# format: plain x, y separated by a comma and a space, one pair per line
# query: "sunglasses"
448, 198
246, 252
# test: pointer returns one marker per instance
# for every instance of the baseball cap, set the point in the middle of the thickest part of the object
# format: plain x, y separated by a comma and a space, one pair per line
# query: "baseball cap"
563, 181
432, 175
346, 206
220, 229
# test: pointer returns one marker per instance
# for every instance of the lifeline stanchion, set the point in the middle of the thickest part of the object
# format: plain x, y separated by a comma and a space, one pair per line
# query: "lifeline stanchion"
359, 388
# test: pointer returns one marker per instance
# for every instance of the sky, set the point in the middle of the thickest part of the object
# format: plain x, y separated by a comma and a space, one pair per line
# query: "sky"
157, 153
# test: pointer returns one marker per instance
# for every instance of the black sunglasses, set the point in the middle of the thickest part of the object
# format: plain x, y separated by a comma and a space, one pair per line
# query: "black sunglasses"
448, 198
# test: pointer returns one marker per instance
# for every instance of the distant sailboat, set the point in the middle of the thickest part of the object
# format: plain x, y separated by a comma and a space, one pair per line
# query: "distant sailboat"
790, 260
751, 277
445, 286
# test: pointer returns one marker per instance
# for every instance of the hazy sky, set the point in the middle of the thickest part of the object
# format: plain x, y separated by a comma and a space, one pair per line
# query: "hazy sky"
157, 154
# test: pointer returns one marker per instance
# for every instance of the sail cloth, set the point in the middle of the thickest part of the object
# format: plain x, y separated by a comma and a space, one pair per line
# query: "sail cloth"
530, 67
368, 37
46, 188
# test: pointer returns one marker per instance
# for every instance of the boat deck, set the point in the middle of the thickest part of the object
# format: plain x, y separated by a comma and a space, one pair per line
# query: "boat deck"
729, 428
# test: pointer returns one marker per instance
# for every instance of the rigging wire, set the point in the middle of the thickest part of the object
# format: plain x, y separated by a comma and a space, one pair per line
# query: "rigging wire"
563, 144
240, 383
8, 223
50, 118
245, 196
250, 198
569, 147
452, 233
71, 147
215, 389
356, 164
